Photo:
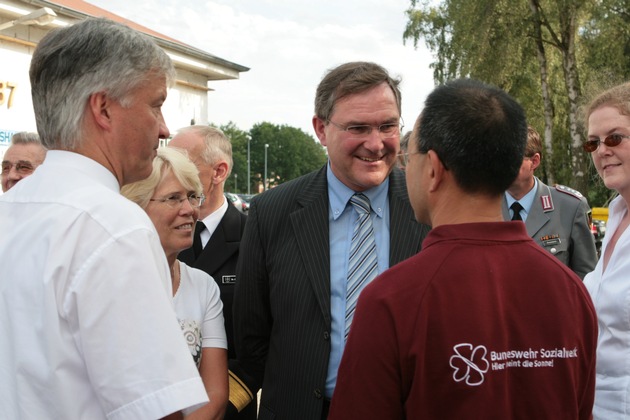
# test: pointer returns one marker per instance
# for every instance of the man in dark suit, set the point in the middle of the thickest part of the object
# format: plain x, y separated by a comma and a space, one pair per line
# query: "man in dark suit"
557, 218
217, 234
296, 287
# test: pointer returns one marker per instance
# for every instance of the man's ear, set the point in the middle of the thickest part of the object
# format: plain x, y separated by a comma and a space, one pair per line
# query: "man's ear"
536, 160
220, 172
437, 170
99, 106
319, 127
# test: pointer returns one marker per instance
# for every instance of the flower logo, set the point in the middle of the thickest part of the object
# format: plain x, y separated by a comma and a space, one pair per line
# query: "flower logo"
192, 335
469, 363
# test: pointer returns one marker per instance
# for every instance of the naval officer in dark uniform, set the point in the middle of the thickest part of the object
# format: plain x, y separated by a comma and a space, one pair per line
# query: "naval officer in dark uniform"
557, 218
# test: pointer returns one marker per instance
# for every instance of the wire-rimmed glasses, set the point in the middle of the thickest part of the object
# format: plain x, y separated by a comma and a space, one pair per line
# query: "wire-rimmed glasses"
387, 130
177, 200
21, 167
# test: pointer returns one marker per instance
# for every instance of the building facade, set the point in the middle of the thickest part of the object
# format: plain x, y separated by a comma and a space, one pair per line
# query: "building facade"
24, 22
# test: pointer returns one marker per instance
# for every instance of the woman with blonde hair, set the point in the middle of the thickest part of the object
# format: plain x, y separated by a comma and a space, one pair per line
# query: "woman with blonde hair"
171, 196
608, 125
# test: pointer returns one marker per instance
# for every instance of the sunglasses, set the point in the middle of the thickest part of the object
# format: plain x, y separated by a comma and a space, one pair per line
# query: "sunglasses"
610, 141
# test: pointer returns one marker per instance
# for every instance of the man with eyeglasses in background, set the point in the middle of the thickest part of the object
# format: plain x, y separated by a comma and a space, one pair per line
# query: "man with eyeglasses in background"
24, 155
302, 263
557, 218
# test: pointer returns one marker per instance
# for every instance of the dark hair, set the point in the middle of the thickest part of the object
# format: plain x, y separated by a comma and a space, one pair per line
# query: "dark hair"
478, 131
348, 79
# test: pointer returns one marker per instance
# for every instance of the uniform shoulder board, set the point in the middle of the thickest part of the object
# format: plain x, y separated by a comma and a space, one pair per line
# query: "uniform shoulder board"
570, 191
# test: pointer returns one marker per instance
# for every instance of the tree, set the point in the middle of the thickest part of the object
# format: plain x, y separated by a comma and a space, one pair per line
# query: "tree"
291, 153
504, 42
237, 182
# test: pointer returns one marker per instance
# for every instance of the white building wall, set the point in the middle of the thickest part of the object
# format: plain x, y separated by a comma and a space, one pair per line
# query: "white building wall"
16, 107
186, 101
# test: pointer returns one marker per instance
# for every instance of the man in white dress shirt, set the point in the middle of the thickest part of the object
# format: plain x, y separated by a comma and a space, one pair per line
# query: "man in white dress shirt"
87, 324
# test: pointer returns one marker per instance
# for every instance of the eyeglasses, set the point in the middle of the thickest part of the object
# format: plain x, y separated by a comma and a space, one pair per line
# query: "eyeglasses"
176, 200
404, 156
610, 141
21, 167
388, 130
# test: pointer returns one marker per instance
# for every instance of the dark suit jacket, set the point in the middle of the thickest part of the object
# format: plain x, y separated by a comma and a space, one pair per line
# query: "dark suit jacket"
282, 317
218, 259
561, 226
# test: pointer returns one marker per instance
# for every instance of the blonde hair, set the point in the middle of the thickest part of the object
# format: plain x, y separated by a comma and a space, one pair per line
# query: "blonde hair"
617, 97
168, 158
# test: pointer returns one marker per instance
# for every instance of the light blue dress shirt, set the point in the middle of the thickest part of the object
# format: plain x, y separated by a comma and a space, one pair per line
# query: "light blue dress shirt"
527, 201
341, 219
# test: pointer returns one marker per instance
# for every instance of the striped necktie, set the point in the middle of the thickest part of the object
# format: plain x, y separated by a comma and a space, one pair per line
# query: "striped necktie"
362, 264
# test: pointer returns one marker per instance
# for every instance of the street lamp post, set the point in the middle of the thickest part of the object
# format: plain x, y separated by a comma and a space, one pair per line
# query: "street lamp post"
235, 183
248, 165
265, 181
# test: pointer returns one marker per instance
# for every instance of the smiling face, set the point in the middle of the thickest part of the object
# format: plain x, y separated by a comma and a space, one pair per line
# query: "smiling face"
174, 224
612, 163
361, 162
29, 156
140, 126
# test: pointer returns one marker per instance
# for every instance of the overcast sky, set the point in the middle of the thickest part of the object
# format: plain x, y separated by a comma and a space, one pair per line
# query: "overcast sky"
288, 45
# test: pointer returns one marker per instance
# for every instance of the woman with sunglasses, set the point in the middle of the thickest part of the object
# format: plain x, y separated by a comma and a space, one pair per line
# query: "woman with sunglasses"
608, 125
171, 196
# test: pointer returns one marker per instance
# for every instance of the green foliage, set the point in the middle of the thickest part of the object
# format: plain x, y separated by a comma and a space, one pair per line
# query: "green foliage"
498, 41
291, 153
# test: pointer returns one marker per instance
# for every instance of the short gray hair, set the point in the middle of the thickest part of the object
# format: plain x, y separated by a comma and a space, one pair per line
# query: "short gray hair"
218, 145
72, 63
26, 137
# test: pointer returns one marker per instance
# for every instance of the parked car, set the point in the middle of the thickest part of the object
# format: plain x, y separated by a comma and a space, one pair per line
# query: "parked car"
598, 227
246, 198
236, 201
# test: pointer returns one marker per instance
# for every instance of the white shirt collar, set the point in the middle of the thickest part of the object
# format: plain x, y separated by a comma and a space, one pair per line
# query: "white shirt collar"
212, 221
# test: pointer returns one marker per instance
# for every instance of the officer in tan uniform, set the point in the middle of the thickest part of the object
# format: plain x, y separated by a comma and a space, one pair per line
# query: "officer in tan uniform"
557, 218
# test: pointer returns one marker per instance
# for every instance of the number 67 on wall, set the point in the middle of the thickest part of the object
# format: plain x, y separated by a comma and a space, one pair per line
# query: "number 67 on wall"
3, 96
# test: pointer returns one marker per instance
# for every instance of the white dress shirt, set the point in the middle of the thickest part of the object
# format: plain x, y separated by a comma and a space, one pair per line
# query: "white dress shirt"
610, 292
86, 317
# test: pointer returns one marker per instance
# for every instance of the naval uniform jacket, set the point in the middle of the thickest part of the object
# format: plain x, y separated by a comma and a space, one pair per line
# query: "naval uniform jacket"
559, 222
282, 318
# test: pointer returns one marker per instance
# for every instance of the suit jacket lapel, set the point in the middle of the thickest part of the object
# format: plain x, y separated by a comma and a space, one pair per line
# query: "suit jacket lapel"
537, 217
405, 231
187, 256
223, 243
310, 224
